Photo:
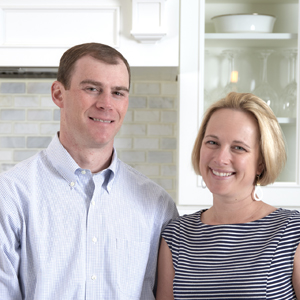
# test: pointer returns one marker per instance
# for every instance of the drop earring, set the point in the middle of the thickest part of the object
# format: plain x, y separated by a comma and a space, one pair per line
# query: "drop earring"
203, 185
258, 192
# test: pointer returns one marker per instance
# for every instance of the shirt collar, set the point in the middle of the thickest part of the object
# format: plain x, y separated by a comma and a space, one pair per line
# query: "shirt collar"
63, 162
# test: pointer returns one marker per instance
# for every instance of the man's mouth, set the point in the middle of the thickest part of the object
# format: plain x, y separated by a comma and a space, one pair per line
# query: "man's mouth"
100, 120
222, 174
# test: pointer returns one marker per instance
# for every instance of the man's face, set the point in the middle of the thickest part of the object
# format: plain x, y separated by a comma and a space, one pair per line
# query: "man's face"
94, 107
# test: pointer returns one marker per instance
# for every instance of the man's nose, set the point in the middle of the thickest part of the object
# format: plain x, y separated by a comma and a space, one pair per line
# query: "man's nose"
104, 100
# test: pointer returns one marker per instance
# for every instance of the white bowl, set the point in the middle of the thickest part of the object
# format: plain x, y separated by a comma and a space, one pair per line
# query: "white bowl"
238, 23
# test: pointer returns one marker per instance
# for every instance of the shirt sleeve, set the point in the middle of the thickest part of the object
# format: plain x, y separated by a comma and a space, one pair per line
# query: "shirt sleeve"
9, 251
171, 234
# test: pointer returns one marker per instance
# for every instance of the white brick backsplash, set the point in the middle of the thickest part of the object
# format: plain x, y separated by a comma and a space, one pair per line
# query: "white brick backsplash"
5, 128
160, 157
21, 155
169, 170
26, 101
133, 156
12, 87
148, 170
123, 143
39, 115
12, 114
146, 116
12, 142
169, 116
26, 128
6, 101
147, 140
47, 102
147, 88
133, 129
49, 128
38, 141
128, 117
6, 155
169, 88
160, 130
146, 143
137, 102
161, 102
56, 115
39, 87
168, 143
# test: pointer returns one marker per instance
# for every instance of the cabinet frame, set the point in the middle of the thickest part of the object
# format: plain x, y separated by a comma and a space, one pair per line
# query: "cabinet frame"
191, 196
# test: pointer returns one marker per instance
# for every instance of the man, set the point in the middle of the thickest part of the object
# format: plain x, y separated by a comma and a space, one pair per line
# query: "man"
75, 221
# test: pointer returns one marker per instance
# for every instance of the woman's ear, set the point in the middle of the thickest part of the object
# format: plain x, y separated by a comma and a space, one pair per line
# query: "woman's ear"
260, 167
57, 92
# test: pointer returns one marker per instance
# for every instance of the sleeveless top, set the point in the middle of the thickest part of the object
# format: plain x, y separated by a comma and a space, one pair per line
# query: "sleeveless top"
234, 261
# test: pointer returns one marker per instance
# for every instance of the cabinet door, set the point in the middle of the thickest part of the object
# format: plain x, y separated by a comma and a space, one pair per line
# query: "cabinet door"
205, 69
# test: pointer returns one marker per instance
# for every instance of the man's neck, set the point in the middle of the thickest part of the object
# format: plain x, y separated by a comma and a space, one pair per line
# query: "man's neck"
93, 159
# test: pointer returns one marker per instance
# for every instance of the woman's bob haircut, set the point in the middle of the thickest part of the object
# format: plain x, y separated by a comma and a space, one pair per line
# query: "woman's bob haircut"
271, 139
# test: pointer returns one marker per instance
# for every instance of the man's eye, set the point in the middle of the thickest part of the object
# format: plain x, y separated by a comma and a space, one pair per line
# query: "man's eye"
92, 89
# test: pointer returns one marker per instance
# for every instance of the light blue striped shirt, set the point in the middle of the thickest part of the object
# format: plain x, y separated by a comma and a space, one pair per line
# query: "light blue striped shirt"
68, 234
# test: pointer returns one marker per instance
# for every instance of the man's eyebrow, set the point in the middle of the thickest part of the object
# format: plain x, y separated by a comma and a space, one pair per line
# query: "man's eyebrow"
121, 88
90, 81
98, 83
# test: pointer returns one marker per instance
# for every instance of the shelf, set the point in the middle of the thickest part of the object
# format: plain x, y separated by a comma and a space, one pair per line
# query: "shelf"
251, 39
253, 1
286, 120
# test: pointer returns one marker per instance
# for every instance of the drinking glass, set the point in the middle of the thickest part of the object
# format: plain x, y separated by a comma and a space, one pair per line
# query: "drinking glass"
231, 85
264, 90
288, 97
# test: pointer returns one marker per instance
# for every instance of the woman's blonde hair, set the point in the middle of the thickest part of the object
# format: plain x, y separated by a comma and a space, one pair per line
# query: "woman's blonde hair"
271, 139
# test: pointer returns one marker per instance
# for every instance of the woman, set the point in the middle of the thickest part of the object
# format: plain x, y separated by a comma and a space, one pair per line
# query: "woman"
241, 247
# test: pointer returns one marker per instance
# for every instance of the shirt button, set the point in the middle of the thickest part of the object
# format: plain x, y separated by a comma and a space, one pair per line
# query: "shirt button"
83, 172
72, 183
94, 277
94, 239
93, 202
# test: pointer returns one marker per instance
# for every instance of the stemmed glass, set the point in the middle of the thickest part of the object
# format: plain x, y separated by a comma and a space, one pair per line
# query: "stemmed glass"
288, 98
264, 90
232, 80
231, 85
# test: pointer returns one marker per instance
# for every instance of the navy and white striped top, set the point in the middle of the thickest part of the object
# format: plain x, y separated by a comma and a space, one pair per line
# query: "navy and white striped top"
234, 261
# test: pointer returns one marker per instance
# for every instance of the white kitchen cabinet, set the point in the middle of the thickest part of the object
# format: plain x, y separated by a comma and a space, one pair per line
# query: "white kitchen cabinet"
38, 32
203, 69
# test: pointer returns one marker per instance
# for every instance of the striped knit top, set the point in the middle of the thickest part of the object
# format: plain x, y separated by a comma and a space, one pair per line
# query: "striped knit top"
237, 261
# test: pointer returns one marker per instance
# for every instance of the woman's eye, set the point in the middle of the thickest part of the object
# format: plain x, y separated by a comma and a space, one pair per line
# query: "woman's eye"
239, 148
211, 143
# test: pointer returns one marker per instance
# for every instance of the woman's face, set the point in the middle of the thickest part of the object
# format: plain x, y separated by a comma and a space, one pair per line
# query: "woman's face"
230, 157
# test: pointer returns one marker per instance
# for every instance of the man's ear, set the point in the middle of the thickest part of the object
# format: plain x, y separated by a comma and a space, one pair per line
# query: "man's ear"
57, 93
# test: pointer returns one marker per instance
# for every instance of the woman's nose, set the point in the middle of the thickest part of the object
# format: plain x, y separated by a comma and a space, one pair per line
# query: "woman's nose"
223, 156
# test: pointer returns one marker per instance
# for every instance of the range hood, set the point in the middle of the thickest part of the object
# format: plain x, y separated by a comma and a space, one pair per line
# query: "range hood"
37, 33
27, 72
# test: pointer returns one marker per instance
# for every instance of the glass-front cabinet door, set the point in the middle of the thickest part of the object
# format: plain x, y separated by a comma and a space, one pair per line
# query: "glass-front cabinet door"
217, 58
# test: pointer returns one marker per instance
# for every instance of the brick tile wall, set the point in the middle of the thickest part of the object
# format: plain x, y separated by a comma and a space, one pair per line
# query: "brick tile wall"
147, 140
